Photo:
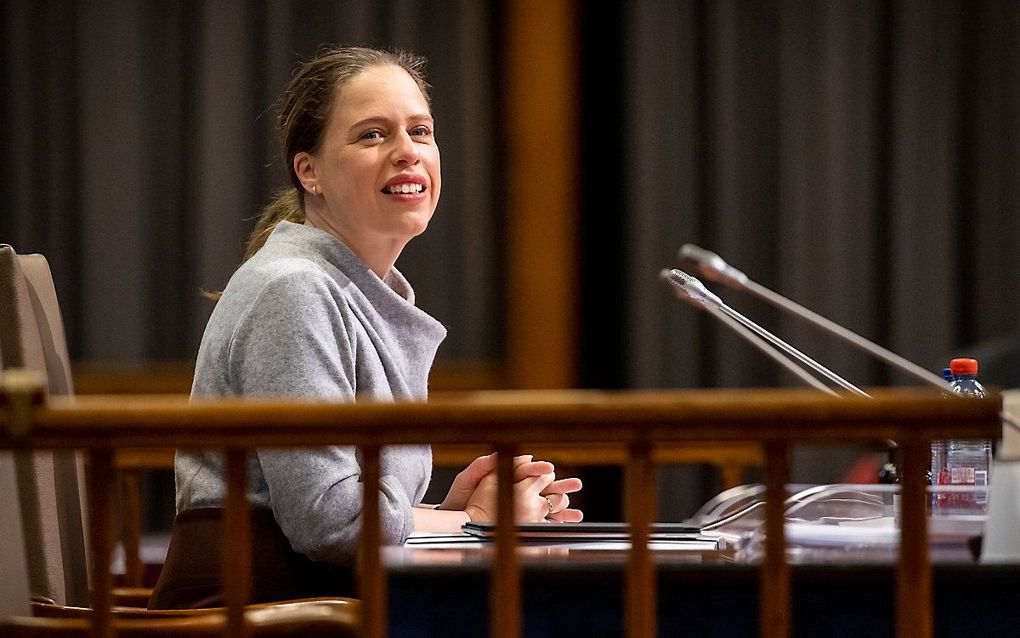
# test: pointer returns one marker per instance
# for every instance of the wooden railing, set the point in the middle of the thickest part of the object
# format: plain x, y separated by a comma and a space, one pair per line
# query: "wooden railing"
509, 421
97, 377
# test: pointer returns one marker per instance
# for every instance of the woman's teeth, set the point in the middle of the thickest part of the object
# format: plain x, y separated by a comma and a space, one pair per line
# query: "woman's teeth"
404, 188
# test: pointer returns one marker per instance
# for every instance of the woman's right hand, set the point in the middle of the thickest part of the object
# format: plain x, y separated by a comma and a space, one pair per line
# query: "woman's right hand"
530, 506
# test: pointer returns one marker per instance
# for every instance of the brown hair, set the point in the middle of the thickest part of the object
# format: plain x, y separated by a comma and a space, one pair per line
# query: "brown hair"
305, 109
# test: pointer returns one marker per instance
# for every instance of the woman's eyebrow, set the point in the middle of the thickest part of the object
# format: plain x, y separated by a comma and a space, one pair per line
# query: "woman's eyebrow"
379, 119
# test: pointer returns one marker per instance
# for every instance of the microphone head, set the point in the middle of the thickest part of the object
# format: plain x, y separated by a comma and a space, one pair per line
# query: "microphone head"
690, 288
672, 276
712, 266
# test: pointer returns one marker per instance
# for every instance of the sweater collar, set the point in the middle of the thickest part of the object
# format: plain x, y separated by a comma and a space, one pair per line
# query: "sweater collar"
343, 257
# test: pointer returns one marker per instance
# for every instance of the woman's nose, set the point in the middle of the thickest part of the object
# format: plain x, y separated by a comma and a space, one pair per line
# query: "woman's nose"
405, 151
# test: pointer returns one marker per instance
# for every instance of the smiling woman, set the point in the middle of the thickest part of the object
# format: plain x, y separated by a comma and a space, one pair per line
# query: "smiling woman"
318, 310
375, 180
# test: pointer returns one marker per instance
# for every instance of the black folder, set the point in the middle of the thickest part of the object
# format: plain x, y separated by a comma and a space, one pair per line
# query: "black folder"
586, 531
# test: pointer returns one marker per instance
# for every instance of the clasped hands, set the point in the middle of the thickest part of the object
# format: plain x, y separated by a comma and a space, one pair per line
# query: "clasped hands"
538, 496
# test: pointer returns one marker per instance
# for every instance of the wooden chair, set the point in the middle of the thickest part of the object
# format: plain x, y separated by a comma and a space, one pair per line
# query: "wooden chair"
49, 484
14, 587
47, 560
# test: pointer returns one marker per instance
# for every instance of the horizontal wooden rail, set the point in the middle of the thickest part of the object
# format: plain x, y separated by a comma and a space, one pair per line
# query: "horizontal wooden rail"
639, 421
507, 417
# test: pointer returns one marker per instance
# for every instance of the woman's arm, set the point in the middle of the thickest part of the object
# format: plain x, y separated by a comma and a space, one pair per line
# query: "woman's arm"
295, 341
429, 519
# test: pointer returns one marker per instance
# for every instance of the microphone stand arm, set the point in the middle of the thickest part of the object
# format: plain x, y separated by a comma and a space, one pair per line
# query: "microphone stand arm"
715, 268
851, 337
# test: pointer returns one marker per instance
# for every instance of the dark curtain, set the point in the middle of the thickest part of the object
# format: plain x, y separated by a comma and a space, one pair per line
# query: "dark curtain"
861, 158
138, 146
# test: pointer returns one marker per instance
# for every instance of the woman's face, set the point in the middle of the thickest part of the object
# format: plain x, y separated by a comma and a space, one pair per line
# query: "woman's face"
378, 166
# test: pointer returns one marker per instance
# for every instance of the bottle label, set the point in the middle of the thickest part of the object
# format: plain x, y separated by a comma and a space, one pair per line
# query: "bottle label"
981, 480
961, 475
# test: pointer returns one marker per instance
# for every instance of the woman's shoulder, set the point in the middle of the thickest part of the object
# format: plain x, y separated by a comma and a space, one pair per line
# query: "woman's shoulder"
281, 298
288, 272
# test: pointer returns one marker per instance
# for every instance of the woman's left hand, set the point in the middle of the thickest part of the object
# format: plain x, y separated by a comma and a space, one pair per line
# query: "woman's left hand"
556, 494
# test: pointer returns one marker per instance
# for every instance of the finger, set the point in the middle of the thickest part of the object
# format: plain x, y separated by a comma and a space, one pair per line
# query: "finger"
480, 467
548, 507
559, 502
467, 479
533, 486
567, 516
564, 486
538, 484
532, 468
522, 458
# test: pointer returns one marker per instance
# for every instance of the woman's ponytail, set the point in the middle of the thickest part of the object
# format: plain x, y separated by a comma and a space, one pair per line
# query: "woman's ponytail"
285, 206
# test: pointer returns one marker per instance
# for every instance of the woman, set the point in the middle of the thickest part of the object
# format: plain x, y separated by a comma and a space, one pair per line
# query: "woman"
318, 310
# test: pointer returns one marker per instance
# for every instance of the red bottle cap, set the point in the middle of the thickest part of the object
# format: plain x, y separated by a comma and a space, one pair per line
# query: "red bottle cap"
963, 366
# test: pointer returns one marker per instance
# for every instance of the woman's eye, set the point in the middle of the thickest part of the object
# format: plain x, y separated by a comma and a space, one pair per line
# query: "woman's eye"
421, 131
373, 134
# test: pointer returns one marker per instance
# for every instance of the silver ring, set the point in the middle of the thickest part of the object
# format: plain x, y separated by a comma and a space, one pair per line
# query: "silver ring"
548, 502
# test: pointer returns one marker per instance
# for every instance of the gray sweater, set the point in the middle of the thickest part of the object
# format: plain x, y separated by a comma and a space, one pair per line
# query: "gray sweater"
305, 317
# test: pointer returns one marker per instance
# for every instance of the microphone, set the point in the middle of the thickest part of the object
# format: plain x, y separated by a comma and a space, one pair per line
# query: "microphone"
714, 268
690, 289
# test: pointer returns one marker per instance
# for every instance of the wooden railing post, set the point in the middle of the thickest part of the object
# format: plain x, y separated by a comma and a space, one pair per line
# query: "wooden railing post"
237, 541
640, 508
913, 573
371, 575
99, 485
505, 580
131, 526
774, 581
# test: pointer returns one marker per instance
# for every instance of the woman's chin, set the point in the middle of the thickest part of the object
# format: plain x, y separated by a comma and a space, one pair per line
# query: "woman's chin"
415, 224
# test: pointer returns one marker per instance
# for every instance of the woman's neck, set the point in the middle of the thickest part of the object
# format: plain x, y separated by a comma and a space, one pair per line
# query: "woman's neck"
379, 255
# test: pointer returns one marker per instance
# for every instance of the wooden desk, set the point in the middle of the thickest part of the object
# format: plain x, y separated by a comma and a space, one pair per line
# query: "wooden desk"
578, 593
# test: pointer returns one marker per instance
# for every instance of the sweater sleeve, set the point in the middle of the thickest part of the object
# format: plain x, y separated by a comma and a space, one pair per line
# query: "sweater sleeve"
297, 340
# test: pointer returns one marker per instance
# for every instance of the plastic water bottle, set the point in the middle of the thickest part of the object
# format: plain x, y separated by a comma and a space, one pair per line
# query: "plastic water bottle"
967, 462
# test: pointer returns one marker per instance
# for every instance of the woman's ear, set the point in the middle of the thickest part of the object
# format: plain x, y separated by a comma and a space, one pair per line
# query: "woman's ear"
304, 168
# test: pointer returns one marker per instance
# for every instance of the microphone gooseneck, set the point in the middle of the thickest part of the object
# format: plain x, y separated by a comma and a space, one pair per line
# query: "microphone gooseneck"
693, 291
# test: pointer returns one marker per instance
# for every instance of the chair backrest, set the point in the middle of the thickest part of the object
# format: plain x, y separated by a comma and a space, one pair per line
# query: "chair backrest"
42, 296
49, 485
14, 589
